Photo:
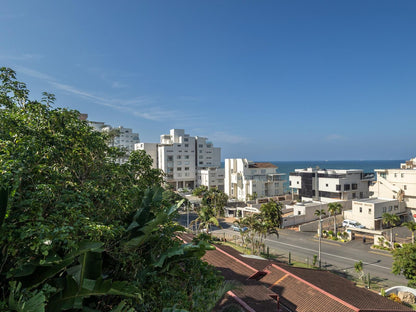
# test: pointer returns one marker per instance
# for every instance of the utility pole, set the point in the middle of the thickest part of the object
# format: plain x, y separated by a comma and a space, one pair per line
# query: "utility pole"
320, 235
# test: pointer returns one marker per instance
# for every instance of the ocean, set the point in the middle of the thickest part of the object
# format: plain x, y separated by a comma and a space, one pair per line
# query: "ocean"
366, 165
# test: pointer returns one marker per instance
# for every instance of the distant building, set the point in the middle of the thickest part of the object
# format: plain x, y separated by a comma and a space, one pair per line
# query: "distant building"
398, 184
330, 183
126, 139
187, 161
211, 177
245, 180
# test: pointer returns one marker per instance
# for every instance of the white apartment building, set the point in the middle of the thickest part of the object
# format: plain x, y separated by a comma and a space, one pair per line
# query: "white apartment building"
398, 184
211, 177
207, 154
151, 149
186, 159
330, 183
243, 179
125, 140
369, 211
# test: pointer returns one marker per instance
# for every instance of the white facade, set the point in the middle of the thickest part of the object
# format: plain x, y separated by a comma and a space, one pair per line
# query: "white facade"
151, 150
125, 140
244, 179
369, 211
330, 183
207, 154
184, 158
211, 177
398, 184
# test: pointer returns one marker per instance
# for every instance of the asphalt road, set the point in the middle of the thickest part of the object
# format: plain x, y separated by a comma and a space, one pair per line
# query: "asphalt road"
334, 255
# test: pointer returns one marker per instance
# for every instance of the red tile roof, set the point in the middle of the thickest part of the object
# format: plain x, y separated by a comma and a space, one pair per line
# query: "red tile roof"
261, 165
297, 289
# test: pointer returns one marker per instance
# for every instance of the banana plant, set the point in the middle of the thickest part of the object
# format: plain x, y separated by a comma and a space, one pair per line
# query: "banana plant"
75, 277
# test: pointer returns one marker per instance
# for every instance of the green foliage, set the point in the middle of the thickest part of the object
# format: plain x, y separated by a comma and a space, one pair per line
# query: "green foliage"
333, 209
200, 191
271, 216
405, 263
216, 200
80, 231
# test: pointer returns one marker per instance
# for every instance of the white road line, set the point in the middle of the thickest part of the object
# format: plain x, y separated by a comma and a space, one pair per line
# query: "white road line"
328, 254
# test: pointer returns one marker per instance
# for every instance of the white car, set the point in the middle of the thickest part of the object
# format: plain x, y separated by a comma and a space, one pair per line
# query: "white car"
354, 224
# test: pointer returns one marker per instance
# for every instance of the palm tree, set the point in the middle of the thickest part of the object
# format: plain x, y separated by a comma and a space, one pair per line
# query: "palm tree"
333, 209
390, 220
320, 213
206, 219
411, 225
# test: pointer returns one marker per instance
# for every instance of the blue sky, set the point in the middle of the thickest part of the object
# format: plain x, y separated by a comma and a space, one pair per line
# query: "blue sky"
265, 80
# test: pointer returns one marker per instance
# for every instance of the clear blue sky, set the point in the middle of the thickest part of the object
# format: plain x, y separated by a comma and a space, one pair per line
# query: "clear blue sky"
265, 80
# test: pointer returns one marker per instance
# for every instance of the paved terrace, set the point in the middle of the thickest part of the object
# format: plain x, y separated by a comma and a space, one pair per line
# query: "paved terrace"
268, 285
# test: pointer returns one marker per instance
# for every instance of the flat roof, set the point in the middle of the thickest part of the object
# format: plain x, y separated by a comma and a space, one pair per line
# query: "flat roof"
374, 200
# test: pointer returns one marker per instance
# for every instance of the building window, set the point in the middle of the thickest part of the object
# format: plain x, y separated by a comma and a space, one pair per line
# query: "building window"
326, 185
384, 209
200, 145
178, 169
178, 157
346, 187
354, 186
299, 212
186, 168
405, 187
185, 139
290, 183
170, 158
186, 145
361, 209
354, 195
263, 171
201, 156
186, 156
395, 175
338, 187
390, 208
179, 163
361, 194
396, 207
201, 162
402, 175
369, 210
297, 182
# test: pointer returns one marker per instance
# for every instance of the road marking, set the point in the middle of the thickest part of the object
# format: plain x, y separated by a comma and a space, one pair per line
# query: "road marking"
381, 254
329, 243
331, 255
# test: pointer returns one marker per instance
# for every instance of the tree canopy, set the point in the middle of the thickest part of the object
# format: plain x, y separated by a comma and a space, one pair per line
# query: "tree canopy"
80, 230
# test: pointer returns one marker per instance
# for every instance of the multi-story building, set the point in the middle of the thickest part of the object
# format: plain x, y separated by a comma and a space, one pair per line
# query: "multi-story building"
125, 139
245, 180
187, 161
398, 184
330, 183
211, 177
207, 154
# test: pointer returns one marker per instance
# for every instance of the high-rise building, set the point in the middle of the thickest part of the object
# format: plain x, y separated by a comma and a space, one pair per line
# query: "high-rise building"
185, 159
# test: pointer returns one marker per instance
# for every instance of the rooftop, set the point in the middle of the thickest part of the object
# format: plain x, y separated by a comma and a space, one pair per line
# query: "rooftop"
261, 165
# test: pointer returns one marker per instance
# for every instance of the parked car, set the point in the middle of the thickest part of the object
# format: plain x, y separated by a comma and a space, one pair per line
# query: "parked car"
352, 223
237, 228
